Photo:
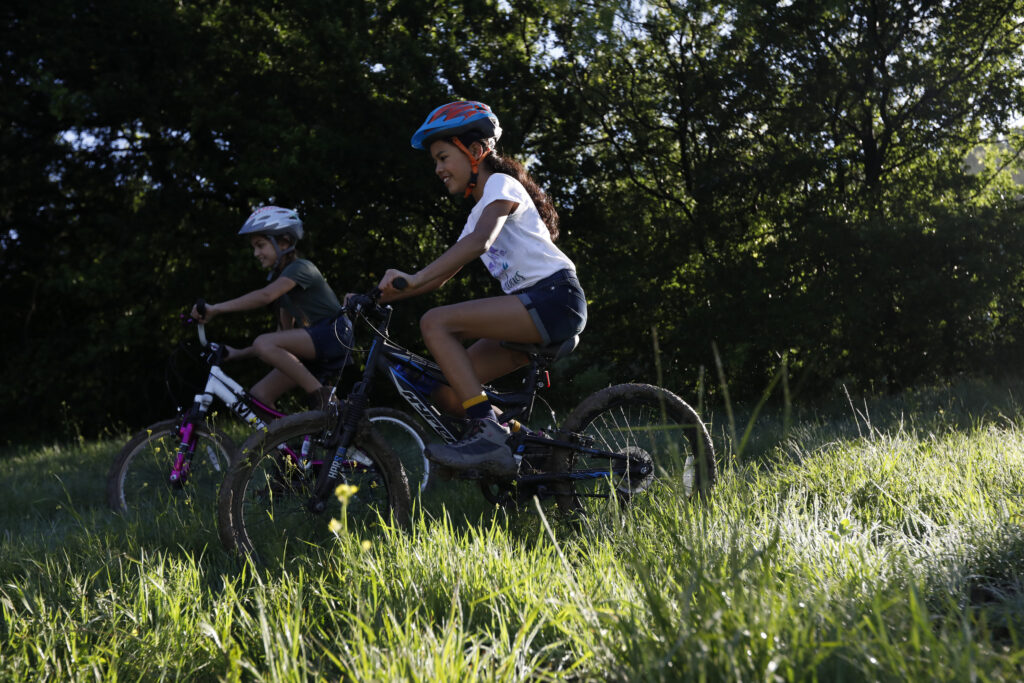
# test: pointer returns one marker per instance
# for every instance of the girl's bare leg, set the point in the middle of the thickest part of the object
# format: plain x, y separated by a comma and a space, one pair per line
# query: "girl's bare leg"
282, 350
273, 385
502, 318
490, 361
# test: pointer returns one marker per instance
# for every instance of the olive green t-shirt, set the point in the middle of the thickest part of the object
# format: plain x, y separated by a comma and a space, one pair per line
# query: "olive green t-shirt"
312, 299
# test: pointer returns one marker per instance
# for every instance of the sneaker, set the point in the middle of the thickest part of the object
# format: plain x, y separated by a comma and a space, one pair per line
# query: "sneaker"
483, 447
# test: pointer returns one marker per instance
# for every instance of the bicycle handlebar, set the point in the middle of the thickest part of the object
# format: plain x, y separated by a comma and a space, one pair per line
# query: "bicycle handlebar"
361, 303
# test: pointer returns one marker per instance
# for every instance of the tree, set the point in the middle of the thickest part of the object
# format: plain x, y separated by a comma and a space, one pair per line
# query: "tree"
791, 180
138, 136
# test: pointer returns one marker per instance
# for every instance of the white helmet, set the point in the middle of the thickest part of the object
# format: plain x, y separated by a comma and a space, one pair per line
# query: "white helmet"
273, 222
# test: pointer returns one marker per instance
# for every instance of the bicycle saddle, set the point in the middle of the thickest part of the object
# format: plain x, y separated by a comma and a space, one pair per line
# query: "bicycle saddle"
552, 352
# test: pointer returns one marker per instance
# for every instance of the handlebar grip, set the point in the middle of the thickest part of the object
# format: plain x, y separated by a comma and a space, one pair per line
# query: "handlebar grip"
201, 306
399, 283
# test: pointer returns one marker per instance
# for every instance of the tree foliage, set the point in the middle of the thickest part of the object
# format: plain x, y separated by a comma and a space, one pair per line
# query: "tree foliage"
789, 179
781, 179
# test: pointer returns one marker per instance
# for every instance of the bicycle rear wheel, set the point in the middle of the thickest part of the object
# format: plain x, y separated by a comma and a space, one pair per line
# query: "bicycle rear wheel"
263, 507
661, 436
140, 476
407, 440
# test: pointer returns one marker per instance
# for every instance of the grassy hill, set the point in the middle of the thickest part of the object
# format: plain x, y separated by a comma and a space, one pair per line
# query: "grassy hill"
879, 541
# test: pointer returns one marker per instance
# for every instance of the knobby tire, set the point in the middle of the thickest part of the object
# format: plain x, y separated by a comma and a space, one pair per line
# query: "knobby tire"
263, 504
647, 424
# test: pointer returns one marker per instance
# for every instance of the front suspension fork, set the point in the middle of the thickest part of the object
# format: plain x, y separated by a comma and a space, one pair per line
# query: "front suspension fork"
183, 458
342, 439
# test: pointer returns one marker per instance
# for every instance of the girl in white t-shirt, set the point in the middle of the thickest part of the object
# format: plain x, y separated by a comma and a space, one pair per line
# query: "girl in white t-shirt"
512, 229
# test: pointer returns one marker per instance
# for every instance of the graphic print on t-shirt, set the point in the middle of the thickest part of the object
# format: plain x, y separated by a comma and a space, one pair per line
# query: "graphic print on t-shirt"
498, 264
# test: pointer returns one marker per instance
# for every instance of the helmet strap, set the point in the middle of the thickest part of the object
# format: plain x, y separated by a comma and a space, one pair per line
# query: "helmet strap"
474, 164
276, 268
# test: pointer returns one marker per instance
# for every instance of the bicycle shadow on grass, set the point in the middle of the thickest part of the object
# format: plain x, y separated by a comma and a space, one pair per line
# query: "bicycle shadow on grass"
461, 506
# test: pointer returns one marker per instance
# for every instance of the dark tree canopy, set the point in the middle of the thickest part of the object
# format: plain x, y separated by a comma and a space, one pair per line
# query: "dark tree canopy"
781, 179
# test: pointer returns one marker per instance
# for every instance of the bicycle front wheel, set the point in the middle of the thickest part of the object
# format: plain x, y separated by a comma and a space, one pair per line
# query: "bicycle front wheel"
263, 509
141, 474
659, 435
407, 440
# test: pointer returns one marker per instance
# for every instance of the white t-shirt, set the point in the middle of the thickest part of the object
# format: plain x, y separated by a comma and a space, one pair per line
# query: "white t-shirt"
523, 254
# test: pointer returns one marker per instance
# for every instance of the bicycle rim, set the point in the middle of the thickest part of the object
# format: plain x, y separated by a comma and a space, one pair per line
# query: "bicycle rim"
407, 441
140, 479
264, 505
654, 429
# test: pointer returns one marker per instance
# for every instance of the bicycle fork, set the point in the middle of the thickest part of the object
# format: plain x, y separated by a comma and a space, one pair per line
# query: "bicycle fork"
186, 450
342, 439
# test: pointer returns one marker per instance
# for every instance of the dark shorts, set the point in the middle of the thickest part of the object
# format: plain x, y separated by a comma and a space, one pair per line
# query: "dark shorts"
332, 339
557, 306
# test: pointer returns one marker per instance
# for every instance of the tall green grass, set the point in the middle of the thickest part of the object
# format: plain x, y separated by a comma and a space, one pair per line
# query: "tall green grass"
881, 540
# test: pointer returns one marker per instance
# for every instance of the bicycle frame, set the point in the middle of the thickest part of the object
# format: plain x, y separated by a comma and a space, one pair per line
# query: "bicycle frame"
405, 369
393, 361
232, 394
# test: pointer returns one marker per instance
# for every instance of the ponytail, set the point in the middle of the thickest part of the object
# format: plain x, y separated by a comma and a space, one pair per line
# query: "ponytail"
499, 164
511, 167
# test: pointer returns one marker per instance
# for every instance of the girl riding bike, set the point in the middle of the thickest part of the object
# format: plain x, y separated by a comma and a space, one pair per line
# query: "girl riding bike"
313, 336
512, 229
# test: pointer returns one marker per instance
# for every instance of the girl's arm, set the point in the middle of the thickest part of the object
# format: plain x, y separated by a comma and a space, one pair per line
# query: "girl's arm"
492, 219
239, 354
254, 299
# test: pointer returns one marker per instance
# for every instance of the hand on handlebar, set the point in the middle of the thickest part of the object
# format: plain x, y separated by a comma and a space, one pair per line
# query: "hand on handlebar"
394, 281
203, 312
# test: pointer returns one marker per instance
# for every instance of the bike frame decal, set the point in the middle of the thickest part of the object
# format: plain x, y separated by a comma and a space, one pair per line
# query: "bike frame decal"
424, 410
230, 391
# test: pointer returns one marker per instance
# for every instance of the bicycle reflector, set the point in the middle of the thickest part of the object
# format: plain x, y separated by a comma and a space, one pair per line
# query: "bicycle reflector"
547, 380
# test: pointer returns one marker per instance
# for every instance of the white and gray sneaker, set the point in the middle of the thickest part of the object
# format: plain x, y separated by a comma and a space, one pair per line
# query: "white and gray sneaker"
483, 447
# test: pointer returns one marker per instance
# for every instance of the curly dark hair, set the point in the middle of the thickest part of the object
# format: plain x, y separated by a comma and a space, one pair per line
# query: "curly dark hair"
495, 163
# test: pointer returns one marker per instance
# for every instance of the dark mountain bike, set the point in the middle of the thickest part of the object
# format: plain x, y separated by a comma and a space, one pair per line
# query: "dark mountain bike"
617, 443
185, 457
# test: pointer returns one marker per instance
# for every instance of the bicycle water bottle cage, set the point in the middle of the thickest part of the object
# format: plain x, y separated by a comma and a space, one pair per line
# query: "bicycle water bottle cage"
552, 353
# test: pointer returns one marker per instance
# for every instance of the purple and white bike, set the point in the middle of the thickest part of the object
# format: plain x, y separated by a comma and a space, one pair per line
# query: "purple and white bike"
185, 457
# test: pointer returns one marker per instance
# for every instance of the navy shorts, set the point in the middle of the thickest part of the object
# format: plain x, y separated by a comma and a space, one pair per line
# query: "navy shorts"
332, 340
557, 306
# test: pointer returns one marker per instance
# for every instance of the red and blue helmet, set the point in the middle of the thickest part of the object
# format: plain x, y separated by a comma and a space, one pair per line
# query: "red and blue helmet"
457, 118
